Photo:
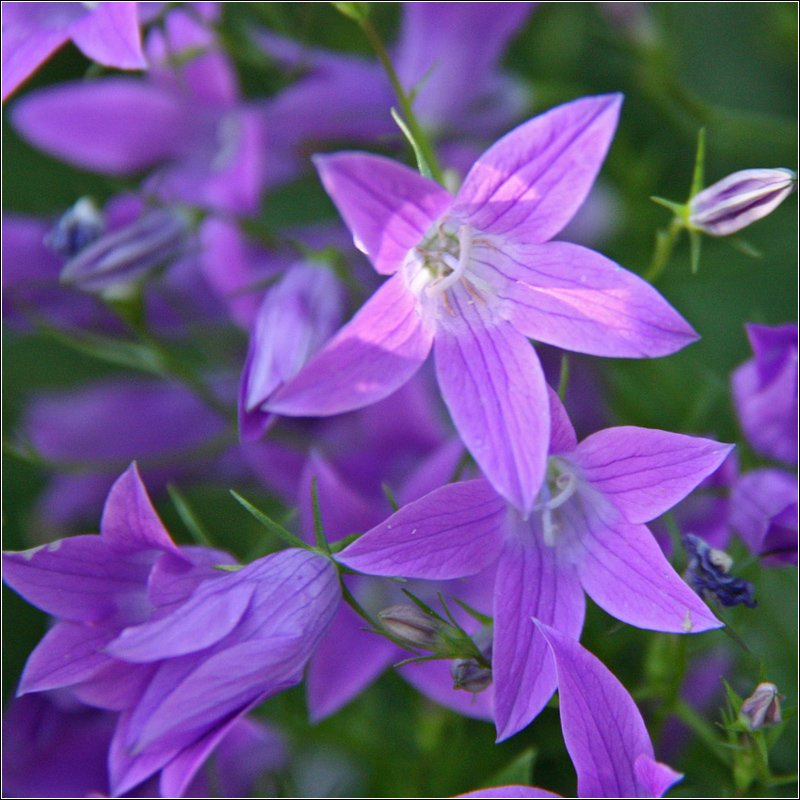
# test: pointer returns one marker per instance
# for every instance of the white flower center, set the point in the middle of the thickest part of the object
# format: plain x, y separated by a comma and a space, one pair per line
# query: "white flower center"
560, 485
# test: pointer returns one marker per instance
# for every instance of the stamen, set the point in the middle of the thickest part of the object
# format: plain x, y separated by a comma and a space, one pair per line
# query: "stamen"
464, 250
472, 291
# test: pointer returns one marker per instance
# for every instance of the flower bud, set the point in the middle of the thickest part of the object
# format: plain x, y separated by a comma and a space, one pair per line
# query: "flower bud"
470, 676
122, 256
740, 199
411, 624
77, 228
708, 569
762, 709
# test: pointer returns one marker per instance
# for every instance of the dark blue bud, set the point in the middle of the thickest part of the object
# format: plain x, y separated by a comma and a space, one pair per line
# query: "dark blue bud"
708, 570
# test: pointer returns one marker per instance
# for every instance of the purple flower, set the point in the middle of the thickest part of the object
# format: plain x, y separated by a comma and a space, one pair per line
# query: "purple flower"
473, 277
106, 32
586, 532
709, 569
604, 732
193, 123
152, 631
764, 513
765, 392
740, 199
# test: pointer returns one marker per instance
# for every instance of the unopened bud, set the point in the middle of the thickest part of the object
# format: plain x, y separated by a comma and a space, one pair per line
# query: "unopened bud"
740, 199
470, 676
762, 709
411, 624
124, 255
77, 228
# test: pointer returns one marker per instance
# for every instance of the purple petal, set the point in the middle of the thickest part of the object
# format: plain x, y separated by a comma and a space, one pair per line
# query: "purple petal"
603, 729
80, 579
562, 435
113, 125
624, 571
493, 384
653, 777
345, 662
68, 654
572, 297
645, 472
433, 471
532, 581
129, 522
202, 621
375, 353
452, 532
24, 50
512, 791
534, 179
387, 206
110, 35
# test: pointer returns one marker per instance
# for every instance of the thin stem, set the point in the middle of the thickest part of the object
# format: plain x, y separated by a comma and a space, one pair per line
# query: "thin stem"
665, 243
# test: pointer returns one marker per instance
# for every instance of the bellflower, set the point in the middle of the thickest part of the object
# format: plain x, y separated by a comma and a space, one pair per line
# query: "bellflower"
105, 32
765, 392
604, 732
473, 277
585, 533
152, 631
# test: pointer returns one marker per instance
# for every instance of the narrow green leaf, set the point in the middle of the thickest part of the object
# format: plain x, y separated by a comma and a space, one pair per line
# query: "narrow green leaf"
357, 11
188, 517
679, 209
422, 163
271, 525
743, 246
698, 176
476, 615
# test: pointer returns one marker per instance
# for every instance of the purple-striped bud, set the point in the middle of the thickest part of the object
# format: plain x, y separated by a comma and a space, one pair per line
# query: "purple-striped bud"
740, 199
762, 709
411, 624
125, 255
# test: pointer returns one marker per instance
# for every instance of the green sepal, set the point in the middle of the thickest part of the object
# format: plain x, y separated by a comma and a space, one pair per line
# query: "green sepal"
699, 164
271, 525
188, 517
679, 209
227, 567
695, 239
319, 529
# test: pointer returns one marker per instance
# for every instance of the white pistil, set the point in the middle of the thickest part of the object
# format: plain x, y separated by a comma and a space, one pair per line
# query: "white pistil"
566, 484
464, 250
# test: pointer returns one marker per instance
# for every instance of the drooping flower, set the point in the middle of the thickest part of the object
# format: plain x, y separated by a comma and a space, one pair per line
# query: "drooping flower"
105, 32
709, 570
585, 533
604, 732
153, 631
765, 391
473, 277
737, 201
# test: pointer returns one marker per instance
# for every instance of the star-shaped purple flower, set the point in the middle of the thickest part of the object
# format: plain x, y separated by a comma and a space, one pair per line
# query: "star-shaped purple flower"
473, 277
585, 533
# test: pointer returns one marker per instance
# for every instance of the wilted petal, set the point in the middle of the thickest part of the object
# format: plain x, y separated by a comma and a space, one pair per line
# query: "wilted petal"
531, 182
645, 472
494, 387
624, 571
532, 581
452, 532
110, 35
375, 353
113, 125
603, 729
387, 206
572, 297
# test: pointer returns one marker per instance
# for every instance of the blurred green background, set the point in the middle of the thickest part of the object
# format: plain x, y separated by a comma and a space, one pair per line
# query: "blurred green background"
730, 67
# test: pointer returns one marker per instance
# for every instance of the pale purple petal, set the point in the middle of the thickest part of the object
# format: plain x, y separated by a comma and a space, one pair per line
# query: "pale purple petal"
624, 571
653, 777
346, 661
533, 580
24, 50
603, 729
375, 353
129, 522
511, 791
645, 472
110, 35
387, 206
114, 125
494, 387
572, 297
81, 579
116, 686
562, 435
433, 471
206, 618
452, 532
531, 182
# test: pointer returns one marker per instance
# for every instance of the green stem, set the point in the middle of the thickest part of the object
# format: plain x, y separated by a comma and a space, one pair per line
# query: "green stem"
665, 243
405, 103
705, 732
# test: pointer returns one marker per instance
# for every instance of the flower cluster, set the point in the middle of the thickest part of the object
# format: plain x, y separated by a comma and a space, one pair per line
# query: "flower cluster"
429, 400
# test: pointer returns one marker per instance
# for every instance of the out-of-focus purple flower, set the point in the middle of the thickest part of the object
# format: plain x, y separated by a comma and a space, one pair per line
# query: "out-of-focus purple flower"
77, 228
474, 277
604, 732
762, 709
737, 201
153, 631
585, 533
765, 392
764, 513
709, 570
189, 118
296, 317
105, 32
54, 746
